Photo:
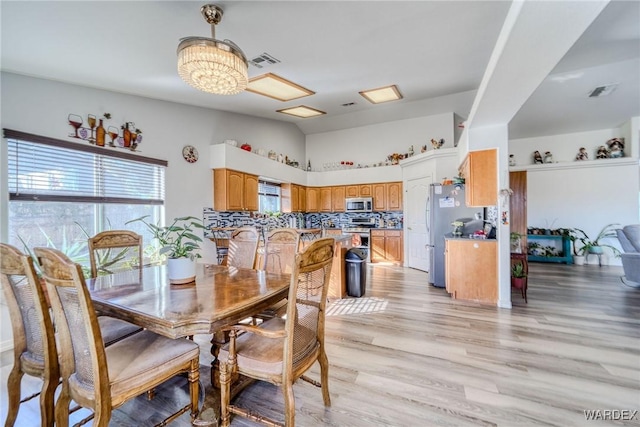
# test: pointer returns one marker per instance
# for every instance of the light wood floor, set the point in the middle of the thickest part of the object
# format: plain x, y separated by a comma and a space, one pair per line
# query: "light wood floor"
405, 354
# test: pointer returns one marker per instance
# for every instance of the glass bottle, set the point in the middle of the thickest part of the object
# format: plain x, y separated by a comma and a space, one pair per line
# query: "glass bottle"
126, 135
100, 134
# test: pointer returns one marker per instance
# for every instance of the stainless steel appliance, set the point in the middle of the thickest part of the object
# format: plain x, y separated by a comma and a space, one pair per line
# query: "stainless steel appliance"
445, 204
360, 231
358, 204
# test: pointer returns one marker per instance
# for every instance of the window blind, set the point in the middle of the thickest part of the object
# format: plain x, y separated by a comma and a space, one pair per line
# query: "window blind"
63, 171
268, 188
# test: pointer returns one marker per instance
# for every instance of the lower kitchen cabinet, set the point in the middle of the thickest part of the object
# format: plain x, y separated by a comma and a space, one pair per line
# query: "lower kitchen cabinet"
386, 246
471, 269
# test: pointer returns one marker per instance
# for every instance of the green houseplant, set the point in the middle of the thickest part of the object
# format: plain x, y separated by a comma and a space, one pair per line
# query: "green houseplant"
518, 275
179, 243
593, 246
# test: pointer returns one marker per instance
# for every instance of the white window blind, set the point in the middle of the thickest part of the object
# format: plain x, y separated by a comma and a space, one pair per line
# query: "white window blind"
45, 169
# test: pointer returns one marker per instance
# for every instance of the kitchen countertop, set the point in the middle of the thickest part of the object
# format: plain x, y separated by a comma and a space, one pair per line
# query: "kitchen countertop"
450, 236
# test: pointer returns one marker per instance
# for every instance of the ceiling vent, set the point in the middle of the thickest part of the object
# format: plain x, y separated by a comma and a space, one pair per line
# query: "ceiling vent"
263, 60
348, 104
603, 90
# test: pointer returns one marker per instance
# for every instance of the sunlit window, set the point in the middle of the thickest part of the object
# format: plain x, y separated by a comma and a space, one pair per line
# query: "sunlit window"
268, 196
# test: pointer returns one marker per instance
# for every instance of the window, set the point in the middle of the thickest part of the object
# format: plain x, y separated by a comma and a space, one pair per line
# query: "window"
268, 196
60, 193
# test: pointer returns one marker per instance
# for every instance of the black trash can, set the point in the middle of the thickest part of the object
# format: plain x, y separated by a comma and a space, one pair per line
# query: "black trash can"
356, 265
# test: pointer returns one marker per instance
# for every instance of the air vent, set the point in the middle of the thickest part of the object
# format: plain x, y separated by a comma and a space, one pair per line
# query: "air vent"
263, 60
603, 90
348, 104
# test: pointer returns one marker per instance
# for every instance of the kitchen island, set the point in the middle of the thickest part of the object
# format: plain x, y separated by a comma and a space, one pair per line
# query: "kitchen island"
338, 282
471, 269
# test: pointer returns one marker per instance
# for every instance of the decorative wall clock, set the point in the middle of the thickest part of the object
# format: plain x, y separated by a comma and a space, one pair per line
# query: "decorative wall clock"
190, 153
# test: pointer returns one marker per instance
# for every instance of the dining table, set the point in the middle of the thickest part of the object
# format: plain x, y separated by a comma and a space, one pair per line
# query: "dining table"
219, 297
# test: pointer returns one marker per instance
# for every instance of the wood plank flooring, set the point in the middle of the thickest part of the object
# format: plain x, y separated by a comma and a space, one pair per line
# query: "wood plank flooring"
405, 354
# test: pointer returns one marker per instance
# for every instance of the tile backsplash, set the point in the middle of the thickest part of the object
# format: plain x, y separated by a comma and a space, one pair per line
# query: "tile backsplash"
214, 219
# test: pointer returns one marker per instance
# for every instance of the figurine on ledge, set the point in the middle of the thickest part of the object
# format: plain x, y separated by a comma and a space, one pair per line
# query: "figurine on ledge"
537, 157
582, 154
616, 147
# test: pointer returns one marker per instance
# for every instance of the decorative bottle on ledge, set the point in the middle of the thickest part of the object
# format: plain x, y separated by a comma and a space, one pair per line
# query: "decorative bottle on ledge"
100, 134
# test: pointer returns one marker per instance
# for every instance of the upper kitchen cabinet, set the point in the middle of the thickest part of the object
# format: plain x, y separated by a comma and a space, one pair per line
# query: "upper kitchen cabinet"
480, 171
394, 196
338, 198
362, 190
293, 198
313, 199
387, 196
326, 204
234, 191
379, 194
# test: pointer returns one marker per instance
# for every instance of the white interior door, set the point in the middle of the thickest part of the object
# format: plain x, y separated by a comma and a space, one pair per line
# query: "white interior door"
416, 219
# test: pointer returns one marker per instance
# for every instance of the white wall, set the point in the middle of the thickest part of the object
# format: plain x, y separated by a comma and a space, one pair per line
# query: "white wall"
373, 143
565, 147
584, 197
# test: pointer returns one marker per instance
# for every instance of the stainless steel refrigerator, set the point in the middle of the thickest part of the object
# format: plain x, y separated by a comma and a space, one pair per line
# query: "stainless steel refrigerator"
445, 204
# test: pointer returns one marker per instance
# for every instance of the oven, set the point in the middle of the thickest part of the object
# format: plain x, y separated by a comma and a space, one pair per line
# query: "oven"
360, 231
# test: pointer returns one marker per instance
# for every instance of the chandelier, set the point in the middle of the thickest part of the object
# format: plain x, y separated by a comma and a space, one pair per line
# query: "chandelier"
212, 65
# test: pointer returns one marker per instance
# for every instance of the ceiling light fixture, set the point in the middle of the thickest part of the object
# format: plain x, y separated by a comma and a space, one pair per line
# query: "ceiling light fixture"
302, 111
276, 87
382, 94
211, 65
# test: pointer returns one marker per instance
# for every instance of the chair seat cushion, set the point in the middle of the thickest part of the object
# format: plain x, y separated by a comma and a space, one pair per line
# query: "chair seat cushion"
114, 330
133, 361
261, 357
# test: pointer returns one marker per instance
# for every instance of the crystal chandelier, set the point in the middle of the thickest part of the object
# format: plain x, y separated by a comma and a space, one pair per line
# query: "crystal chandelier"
212, 65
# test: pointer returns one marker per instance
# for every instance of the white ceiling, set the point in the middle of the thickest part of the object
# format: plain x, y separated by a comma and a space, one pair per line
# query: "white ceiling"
434, 51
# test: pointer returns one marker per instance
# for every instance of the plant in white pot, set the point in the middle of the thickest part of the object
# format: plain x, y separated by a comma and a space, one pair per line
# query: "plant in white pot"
592, 246
180, 244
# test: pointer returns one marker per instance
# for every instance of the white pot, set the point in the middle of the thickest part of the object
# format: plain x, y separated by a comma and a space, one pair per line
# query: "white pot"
578, 260
181, 270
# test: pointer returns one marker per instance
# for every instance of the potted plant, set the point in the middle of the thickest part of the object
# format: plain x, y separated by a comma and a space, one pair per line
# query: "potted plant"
592, 246
179, 244
518, 275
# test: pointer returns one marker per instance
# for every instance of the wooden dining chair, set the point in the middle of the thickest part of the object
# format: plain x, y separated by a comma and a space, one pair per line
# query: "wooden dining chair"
34, 346
280, 350
103, 378
243, 244
280, 250
128, 255
115, 250
221, 239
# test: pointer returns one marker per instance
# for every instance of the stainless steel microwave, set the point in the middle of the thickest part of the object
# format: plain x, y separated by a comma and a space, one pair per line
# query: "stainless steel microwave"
359, 204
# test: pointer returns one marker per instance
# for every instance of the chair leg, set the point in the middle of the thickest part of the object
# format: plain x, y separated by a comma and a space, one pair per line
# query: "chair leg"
62, 406
289, 405
194, 387
47, 399
102, 416
13, 389
324, 376
225, 385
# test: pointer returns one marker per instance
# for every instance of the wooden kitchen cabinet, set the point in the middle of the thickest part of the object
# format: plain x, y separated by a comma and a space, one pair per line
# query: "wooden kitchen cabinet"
379, 194
364, 190
480, 171
471, 269
234, 191
394, 196
386, 246
352, 190
302, 198
292, 198
337, 198
313, 199
325, 199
